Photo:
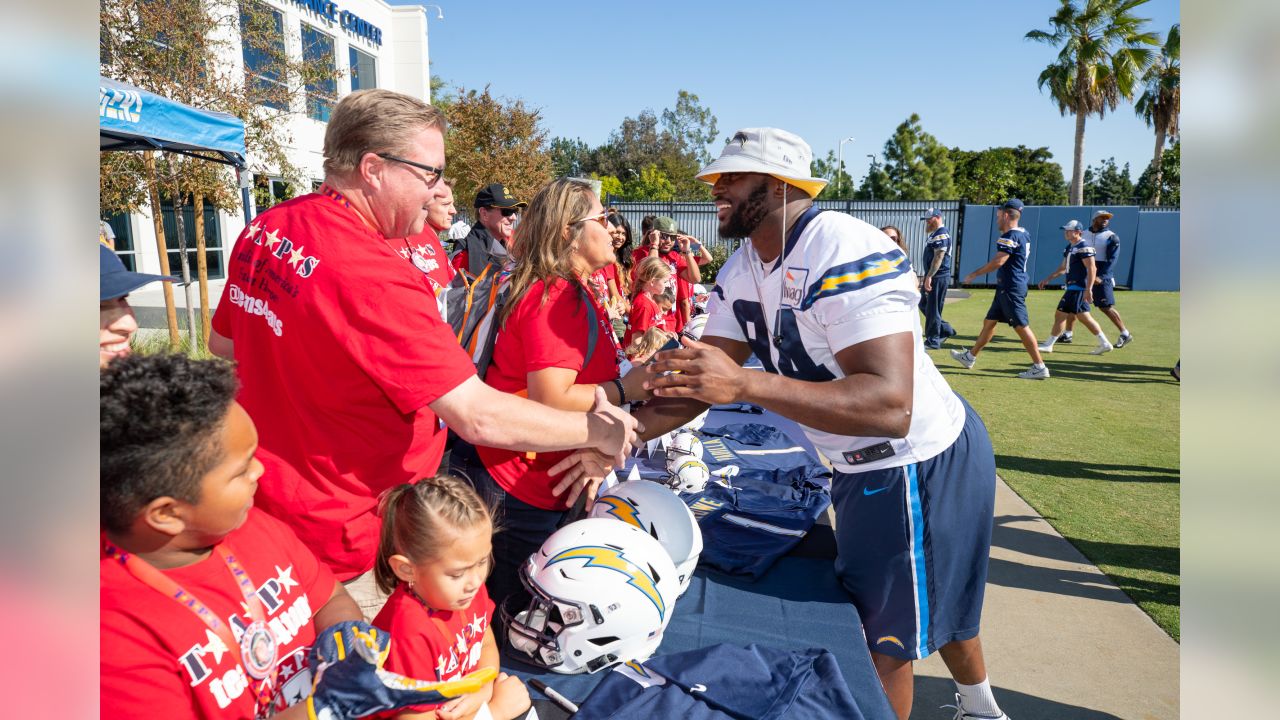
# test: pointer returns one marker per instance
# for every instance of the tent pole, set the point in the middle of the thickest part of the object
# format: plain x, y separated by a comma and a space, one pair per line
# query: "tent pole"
157, 219
202, 268
192, 331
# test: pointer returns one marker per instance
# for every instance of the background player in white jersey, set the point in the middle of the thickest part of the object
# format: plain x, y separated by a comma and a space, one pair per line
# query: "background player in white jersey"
828, 304
1106, 248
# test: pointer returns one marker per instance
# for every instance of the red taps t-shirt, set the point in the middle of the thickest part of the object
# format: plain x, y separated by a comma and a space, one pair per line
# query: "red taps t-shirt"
340, 349
160, 660
537, 336
433, 645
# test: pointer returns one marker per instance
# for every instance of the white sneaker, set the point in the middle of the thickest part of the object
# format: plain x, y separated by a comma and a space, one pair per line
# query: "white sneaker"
962, 715
1104, 347
1035, 373
1045, 347
1124, 339
964, 358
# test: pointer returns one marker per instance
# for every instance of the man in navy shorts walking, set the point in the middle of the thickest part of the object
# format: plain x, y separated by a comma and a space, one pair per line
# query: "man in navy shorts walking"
1080, 267
1013, 250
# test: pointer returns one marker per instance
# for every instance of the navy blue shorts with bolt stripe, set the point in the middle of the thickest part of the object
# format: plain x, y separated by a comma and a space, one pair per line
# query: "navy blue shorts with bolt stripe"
913, 543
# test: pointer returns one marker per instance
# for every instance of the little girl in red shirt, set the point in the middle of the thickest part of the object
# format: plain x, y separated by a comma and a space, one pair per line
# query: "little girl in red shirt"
650, 282
433, 558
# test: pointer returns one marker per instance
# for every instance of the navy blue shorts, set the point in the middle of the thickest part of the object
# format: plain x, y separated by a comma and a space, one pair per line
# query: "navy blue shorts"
1073, 302
1009, 308
913, 544
1104, 292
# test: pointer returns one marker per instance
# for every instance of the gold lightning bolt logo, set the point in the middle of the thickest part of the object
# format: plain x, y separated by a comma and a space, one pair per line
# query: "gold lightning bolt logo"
613, 559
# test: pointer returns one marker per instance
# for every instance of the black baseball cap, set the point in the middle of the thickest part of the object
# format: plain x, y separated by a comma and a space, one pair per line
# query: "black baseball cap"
116, 281
495, 195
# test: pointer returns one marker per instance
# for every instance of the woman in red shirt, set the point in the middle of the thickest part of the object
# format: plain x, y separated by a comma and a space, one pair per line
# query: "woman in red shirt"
545, 351
651, 279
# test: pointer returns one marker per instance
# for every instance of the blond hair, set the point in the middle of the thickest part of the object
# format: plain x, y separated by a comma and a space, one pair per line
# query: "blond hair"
647, 343
375, 121
418, 519
541, 248
649, 269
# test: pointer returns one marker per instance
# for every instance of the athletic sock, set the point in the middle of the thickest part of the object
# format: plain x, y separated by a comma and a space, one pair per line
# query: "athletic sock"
1102, 338
978, 699
1049, 341
1038, 366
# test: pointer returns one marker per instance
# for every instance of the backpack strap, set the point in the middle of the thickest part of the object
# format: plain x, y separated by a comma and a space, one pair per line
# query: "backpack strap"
593, 324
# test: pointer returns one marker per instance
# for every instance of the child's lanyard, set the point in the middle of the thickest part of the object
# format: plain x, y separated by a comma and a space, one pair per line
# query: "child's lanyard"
256, 649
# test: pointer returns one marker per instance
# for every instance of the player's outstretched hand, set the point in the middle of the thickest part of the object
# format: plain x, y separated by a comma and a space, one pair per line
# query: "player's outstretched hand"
349, 682
700, 371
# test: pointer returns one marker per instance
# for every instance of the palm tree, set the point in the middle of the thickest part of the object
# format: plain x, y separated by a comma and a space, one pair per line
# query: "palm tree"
1161, 99
1101, 60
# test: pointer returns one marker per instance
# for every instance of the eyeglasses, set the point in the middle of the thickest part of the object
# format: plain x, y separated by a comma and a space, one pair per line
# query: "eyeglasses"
602, 218
508, 212
670, 237
433, 173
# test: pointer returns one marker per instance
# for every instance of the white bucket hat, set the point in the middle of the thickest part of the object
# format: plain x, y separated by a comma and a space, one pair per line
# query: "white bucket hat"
770, 151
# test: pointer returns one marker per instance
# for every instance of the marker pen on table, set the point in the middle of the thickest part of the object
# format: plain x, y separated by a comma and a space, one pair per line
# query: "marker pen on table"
555, 697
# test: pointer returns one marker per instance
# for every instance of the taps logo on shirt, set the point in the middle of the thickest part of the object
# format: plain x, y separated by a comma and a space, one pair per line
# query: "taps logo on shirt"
280, 247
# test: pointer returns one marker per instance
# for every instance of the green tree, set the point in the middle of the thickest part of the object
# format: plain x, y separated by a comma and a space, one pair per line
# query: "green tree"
1161, 100
610, 188
570, 158
691, 125
651, 183
495, 140
1109, 184
1166, 188
917, 166
839, 184
1102, 55
993, 175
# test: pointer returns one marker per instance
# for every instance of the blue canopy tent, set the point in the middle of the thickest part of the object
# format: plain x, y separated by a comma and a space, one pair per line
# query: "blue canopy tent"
131, 118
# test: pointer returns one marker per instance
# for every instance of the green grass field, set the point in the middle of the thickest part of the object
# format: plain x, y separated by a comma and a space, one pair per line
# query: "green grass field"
1094, 448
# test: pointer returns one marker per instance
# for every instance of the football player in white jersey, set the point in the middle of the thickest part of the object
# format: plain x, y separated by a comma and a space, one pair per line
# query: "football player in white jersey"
828, 304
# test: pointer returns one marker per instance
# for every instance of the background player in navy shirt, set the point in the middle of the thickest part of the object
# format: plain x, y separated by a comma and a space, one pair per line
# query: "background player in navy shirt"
1106, 248
1080, 267
1013, 250
937, 277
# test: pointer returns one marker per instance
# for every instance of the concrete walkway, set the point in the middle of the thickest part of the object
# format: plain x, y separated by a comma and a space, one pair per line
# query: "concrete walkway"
1062, 641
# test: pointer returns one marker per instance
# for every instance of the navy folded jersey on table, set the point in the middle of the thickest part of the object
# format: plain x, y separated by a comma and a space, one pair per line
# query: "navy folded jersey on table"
761, 451
725, 681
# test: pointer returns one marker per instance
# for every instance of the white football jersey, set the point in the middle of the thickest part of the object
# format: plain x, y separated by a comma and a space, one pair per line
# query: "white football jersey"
843, 282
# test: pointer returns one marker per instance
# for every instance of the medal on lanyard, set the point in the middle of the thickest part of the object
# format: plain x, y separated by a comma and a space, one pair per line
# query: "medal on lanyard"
420, 262
257, 646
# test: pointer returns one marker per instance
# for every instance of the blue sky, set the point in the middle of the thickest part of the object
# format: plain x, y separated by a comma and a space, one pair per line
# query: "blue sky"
824, 70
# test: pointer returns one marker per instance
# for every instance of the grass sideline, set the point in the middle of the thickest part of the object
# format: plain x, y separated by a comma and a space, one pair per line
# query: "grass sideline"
1094, 448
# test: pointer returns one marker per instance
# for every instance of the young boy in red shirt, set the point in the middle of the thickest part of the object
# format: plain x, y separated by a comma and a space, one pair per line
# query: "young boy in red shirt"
209, 607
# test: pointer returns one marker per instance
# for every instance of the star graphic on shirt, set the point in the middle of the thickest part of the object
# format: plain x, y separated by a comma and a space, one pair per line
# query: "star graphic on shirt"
273, 238
295, 257
404, 253
285, 577
215, 646
477, 624
254, 230
422, 250
287, 670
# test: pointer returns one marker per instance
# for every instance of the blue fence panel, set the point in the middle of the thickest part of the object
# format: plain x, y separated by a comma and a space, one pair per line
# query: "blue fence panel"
978, 239
1157, 252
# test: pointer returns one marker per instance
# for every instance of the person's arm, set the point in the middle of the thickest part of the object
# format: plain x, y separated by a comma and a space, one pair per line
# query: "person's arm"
339, 607
1062, 269
938, 257
690, 272
558, 388
873, 399
1092, 267
482, 415
1000, 259
221, 346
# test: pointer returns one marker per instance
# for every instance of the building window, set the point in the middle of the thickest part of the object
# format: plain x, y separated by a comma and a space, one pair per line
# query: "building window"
317, 52
124, 240
364, 71
268, 191
262, 37
212, 239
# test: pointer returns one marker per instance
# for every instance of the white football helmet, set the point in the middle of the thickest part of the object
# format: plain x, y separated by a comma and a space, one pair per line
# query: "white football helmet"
657, 511
688, 475
602, 593
683, 443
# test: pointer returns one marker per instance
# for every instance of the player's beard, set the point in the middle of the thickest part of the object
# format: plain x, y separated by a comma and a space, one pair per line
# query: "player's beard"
747, 216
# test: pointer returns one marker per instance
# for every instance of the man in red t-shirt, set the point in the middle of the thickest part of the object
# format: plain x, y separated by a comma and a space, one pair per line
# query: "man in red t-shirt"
496, 211
678, 251
346, 366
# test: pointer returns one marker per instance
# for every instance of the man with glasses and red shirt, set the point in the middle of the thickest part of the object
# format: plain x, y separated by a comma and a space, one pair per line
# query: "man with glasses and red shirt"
496, 211
346, 367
